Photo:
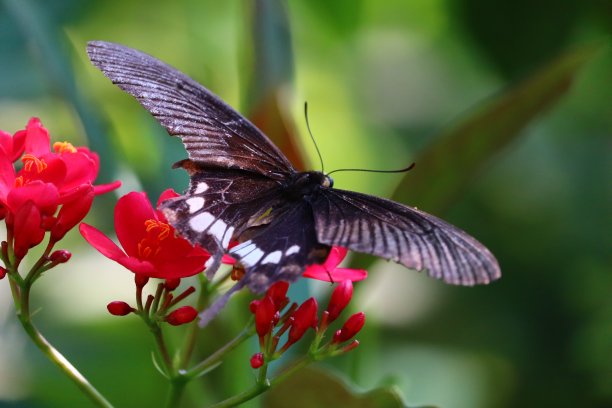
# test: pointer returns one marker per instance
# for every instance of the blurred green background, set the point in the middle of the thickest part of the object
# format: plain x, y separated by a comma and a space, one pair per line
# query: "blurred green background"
505, 106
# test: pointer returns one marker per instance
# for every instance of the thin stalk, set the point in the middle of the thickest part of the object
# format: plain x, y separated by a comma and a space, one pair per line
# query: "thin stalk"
192, 333
261, 386
21, 297
218, 355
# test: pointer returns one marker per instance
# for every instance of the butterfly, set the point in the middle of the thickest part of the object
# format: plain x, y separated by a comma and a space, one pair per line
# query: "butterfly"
243, 188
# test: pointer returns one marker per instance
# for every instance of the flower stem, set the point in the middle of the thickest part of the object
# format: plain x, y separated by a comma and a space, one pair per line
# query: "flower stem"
218, 355
21, 297
259, 388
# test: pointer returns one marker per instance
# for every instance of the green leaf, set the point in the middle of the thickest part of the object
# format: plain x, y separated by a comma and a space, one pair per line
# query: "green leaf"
314, 387
449, 163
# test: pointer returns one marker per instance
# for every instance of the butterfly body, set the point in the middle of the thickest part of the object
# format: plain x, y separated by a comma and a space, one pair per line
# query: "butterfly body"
242, 188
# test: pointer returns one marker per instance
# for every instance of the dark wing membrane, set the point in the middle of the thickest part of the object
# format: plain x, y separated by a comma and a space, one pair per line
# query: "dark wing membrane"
212, 132
218, 206
406, 235
282, 249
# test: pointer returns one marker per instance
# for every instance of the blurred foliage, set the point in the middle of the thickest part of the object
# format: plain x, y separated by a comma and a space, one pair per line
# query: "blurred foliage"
381, 80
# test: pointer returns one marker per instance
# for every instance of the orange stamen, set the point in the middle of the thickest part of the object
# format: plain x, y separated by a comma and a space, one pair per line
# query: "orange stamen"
157, 231
64, 147
30, 161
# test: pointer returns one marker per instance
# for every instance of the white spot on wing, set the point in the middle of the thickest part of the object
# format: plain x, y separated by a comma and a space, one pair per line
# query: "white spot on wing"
227, 236
202, 187
272, 257
200, 222
252, 258
293, 249
218, 229
243, 249
195, 204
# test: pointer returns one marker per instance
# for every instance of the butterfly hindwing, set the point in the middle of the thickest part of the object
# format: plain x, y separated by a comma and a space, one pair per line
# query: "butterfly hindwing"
282, 249
213, 133
418, 240
218, 206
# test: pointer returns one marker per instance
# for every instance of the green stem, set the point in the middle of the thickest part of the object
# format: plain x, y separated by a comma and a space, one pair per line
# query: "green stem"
161, 346
298, 365
218, 355
192, 334
177, 386
259, 388
21, 297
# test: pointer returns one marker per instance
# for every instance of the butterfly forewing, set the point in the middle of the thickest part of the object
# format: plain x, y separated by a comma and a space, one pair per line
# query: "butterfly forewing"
406, 235
212, 132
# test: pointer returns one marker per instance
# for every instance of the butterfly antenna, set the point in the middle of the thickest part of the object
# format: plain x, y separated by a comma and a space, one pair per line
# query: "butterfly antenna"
312, 137
377, 171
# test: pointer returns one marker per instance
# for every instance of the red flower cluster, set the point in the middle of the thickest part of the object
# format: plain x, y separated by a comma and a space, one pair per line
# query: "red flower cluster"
297, 320
50, 191
150, 245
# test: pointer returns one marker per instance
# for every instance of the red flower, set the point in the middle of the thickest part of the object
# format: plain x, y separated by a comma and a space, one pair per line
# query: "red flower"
30, 197
329, 271
151, 246
340, 298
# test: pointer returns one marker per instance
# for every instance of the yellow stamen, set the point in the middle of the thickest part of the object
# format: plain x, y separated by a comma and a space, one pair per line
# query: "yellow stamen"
64, 147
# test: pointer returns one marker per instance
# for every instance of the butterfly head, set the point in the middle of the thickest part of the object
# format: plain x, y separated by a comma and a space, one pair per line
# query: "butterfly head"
327, 181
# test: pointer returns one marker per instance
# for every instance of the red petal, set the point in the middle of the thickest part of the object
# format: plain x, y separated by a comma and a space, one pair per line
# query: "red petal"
110, 250
80, 169
7, 177
72, 213
336, 255
180, 267
44, 196
26, 229
105, 188
37, 139
131, 212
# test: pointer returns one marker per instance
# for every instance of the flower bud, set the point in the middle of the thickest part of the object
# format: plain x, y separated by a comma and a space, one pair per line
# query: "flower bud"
182, 315
119, 308
350, 328
172, 284
278, 294
60, 256
264, 316
257, 360
140, 280
303, 318
340, 298
2, 272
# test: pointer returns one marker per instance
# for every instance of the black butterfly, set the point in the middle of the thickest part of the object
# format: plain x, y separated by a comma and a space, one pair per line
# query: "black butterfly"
243, 188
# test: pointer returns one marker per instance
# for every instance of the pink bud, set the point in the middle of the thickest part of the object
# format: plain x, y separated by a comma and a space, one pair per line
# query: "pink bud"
350, 328
257, 360
60, 256
340, 298
119, 308
182, 315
